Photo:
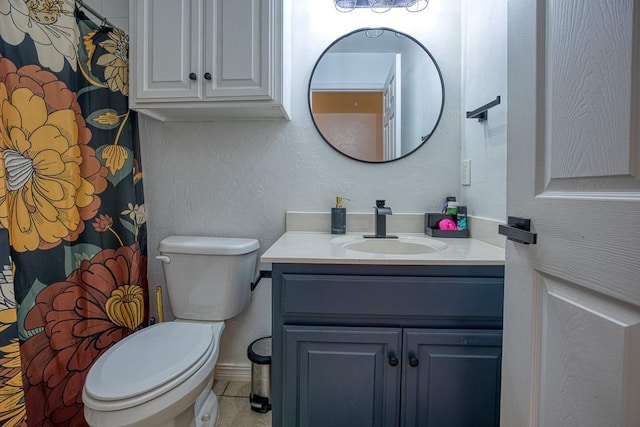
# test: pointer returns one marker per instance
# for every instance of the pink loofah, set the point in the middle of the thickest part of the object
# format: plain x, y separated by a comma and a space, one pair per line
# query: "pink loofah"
446, 224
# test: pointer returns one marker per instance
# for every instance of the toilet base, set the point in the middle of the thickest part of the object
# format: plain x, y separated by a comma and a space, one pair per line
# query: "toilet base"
206, 410
202, 412
191, 403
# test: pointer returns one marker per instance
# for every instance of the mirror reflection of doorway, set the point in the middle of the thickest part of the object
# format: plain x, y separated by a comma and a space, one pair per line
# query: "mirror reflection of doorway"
355, 118
363, 123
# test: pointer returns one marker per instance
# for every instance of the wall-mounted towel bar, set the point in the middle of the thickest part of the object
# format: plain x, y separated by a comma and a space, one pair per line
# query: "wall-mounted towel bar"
481, 113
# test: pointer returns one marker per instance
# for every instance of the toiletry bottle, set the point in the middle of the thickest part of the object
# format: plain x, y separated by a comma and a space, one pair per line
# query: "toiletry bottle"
461, 218
339, 217
450, 206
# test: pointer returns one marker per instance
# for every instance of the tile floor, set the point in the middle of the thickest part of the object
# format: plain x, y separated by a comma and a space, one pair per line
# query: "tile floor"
234, 406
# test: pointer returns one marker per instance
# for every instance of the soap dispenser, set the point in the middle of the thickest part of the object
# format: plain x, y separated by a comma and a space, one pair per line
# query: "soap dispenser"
339, 217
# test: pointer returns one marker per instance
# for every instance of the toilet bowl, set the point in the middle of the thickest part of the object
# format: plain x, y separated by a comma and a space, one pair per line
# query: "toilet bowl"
161, 376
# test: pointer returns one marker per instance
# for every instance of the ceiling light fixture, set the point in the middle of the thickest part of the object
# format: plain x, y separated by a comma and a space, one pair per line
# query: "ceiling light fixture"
381, 6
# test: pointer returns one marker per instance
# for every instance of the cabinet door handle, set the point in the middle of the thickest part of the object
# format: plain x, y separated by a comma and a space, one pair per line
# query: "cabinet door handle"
207, 76
393, 360
192, 76
413, 360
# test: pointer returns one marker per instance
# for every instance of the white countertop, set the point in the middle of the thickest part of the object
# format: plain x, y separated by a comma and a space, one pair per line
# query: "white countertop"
318, 248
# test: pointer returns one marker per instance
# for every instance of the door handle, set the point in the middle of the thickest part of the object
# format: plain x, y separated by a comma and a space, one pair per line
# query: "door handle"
519, 230
413, 360
393, 360
207, 76
192, 76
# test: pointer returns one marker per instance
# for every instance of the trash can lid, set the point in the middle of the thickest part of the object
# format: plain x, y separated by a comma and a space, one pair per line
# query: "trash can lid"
259, 351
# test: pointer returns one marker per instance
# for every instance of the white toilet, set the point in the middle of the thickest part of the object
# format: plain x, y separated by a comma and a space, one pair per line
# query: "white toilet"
162, 376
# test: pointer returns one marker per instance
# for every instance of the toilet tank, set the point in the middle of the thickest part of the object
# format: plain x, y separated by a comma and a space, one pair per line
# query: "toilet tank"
208, 278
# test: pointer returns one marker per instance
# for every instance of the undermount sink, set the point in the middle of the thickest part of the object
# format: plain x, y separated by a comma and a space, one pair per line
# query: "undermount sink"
403, 245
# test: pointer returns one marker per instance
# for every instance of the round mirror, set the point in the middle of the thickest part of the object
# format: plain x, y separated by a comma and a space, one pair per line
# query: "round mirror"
376, 95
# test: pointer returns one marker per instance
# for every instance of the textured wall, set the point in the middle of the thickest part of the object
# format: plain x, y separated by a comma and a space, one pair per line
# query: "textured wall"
238, 178
484, 65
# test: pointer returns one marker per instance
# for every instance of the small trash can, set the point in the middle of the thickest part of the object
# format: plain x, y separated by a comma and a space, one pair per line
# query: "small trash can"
259, 353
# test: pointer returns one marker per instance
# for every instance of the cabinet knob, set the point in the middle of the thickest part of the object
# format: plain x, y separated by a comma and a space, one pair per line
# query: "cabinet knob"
207, 76
393, 360
192, 76
413, 360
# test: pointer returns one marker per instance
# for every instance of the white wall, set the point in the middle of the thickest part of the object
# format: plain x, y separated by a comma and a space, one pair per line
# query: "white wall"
239, 178
344, 71
484, 76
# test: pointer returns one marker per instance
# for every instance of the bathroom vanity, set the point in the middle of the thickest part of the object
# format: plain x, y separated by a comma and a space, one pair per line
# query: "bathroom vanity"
378, 339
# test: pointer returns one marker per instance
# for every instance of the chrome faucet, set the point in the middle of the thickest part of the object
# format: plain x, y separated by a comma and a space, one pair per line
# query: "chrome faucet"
381, 212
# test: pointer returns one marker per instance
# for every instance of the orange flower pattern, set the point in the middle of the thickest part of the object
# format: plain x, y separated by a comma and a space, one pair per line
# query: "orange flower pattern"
71, 206
100, 303
103, 223
12, 407
52, 176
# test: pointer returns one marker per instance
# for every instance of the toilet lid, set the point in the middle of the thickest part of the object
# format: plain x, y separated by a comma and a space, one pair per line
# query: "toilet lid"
205, 245
148, 359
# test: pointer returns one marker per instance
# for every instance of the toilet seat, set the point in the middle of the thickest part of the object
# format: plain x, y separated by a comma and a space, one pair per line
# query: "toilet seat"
158, 359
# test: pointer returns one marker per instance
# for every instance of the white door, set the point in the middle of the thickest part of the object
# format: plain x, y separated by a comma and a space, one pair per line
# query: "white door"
238, 49
572, 301
166, 59
392, 111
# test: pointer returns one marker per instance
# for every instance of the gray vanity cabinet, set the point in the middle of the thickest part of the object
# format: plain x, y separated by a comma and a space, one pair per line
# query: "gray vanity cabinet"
342, 377
373, 345
451, 378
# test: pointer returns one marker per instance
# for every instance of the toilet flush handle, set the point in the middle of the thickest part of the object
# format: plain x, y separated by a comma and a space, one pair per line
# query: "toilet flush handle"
164, 258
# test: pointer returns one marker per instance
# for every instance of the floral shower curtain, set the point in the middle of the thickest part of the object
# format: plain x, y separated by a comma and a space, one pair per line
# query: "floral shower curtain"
72, 217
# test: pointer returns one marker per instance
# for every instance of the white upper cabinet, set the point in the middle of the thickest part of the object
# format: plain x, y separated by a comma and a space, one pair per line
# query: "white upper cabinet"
195, 60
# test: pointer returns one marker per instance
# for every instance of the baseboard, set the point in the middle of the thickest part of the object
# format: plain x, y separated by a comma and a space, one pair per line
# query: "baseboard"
232, 372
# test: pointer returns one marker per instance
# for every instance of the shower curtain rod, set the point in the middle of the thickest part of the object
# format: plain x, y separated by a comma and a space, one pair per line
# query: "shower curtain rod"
104, 21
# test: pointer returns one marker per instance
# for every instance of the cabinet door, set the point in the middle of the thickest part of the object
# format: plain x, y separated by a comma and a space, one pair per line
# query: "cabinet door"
339, 376
451, 378
238, 49
166, 62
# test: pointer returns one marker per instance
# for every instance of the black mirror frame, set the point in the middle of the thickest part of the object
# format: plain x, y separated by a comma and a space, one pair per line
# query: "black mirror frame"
435, 63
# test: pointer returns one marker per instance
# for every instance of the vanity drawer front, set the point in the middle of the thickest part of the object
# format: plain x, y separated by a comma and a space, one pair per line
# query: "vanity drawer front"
392, 296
